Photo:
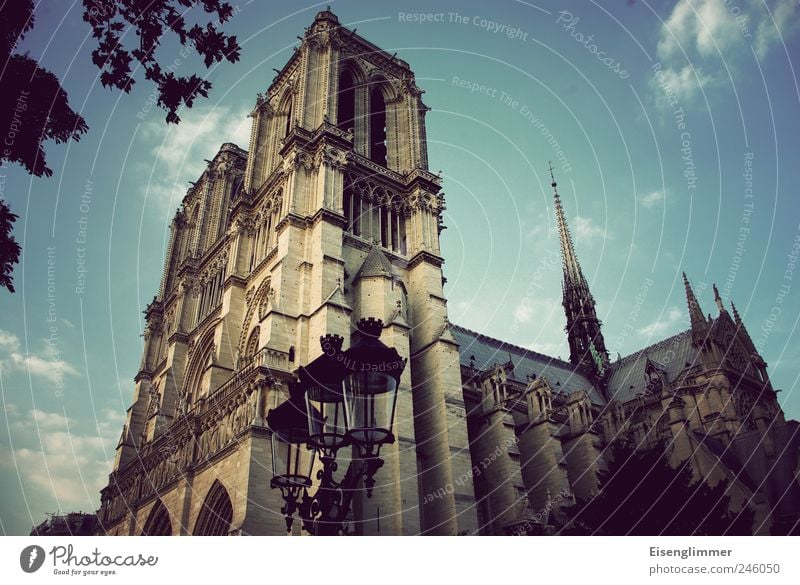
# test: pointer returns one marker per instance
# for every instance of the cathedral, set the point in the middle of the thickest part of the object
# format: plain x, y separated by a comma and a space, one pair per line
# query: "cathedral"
332, 216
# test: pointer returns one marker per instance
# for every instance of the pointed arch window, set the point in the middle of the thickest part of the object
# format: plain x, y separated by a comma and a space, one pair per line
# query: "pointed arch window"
252, 344
377, 126
289, 123
198, 370
217, 514
346, 102
158, 522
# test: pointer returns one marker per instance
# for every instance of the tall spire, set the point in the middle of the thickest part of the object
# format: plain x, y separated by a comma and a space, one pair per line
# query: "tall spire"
572, 269
696, 318
587, 347
695, 312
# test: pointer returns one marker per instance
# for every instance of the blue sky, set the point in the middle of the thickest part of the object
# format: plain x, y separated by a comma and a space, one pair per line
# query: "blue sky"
672, 130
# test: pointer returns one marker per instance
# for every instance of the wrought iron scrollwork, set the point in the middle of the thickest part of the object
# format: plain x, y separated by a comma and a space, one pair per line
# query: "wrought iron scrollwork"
325, 512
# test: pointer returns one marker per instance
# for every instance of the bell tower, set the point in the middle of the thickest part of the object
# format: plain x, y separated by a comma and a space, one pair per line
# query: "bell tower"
330, 216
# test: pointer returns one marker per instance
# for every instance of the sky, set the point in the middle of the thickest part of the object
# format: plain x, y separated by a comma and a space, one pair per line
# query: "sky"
672, 128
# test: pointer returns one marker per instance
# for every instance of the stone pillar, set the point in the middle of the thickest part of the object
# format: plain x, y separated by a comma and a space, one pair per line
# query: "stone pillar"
580, 445
541, 463
490, 443
583, 463
432, 373
681, 443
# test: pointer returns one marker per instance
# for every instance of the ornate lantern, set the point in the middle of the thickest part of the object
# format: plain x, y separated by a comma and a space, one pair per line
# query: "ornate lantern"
371, 383
292, 462
342, 398
322, 382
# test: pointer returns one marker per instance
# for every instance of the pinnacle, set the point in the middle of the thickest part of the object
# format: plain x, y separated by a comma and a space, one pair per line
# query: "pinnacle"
375, 264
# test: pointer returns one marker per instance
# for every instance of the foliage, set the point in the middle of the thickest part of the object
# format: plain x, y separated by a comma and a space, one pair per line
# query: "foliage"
640, 493
115, 22
9, 248
34, 107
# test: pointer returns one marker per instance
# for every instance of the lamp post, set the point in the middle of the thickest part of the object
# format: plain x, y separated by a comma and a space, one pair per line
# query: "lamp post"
343, 398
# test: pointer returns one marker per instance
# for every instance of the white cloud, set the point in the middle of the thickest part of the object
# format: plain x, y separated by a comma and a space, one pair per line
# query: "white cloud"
539, 322
697, 33
557, 349
48, 368
586, 229
701, 26
49, 420
538, 309
46, 364
59, 465
772, 30
651, 199
8, 341
682, 82
523, 312
663, 325
178, 152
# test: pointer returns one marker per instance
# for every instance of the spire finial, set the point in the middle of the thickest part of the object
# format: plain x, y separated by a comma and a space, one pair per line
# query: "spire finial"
696, 318
737, 318
718, 300
572, 270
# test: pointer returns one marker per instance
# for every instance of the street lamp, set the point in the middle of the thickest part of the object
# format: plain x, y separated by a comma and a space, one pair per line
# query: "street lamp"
292, 463
371, 383
322, 382
343, 398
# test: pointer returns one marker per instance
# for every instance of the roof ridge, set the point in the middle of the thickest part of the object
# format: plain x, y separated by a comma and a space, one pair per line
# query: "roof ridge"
507, 344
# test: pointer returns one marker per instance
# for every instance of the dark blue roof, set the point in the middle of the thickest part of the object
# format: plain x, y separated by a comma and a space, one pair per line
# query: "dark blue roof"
673, 354
482, 352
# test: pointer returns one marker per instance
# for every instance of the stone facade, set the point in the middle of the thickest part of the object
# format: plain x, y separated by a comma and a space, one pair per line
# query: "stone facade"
332, 215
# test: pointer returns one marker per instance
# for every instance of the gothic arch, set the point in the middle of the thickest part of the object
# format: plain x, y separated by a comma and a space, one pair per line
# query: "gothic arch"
377, 79
201, 358
281, 125
286, 113
253, 303
348, 67
383, 98
252, 344
378, 126
346, 100
158, 522
352, 99
217, 513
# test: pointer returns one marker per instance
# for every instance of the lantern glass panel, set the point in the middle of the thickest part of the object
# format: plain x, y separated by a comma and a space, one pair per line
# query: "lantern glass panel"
292, 463
327, 420
370, 400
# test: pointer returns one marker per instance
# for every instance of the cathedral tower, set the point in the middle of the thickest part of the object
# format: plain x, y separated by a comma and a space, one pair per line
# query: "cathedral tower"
330, 216
587, 348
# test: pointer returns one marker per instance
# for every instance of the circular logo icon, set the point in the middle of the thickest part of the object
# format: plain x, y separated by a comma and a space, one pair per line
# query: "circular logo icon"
31, 558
